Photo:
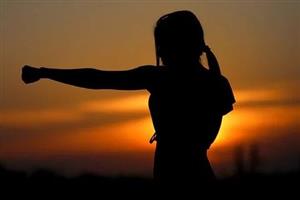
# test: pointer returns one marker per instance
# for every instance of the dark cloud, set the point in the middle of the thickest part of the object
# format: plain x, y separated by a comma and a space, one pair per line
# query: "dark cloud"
268, 103
87, 120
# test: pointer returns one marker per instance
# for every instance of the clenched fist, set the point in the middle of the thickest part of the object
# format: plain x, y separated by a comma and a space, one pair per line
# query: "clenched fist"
30, 74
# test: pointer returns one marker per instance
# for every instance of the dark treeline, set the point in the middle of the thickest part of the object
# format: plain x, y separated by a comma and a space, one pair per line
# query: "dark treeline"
48, 183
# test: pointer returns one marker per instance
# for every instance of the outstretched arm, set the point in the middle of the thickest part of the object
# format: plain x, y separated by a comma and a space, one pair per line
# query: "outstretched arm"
133, 79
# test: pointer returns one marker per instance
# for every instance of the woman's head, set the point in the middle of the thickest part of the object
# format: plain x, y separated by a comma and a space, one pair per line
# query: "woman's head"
178, 38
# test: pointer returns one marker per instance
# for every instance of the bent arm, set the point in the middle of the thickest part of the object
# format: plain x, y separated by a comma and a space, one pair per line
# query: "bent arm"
212, 61
133, 79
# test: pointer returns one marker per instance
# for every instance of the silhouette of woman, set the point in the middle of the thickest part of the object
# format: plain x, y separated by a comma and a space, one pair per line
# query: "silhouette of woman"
187, 100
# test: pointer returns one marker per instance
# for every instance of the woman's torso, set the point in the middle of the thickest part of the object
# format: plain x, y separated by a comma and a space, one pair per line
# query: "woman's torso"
182, 107
182, 104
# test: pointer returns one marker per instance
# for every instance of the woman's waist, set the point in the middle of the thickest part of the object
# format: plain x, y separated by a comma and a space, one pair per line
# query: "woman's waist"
175, 139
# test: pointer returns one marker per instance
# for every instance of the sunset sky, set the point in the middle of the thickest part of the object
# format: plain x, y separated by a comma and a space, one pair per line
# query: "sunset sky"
73, 130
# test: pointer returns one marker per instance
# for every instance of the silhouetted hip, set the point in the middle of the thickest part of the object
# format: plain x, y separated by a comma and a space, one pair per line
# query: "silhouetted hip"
179, 161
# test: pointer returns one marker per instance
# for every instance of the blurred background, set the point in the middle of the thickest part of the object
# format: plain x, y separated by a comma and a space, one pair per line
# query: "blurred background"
72, 130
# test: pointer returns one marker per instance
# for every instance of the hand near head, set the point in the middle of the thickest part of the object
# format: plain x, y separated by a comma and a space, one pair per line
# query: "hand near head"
30, 74
213, 64
206, 49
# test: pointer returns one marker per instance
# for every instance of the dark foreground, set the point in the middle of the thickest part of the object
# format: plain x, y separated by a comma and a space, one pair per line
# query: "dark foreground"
46, 184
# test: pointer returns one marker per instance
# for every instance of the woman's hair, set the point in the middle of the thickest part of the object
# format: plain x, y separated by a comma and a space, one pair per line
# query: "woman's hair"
179, 33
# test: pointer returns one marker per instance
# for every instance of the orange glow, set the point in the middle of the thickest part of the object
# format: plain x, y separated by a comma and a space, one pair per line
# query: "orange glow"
258, 95
240, 125
127, 104
254, 52
134, 103
122, 137
132, 135
25, 118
